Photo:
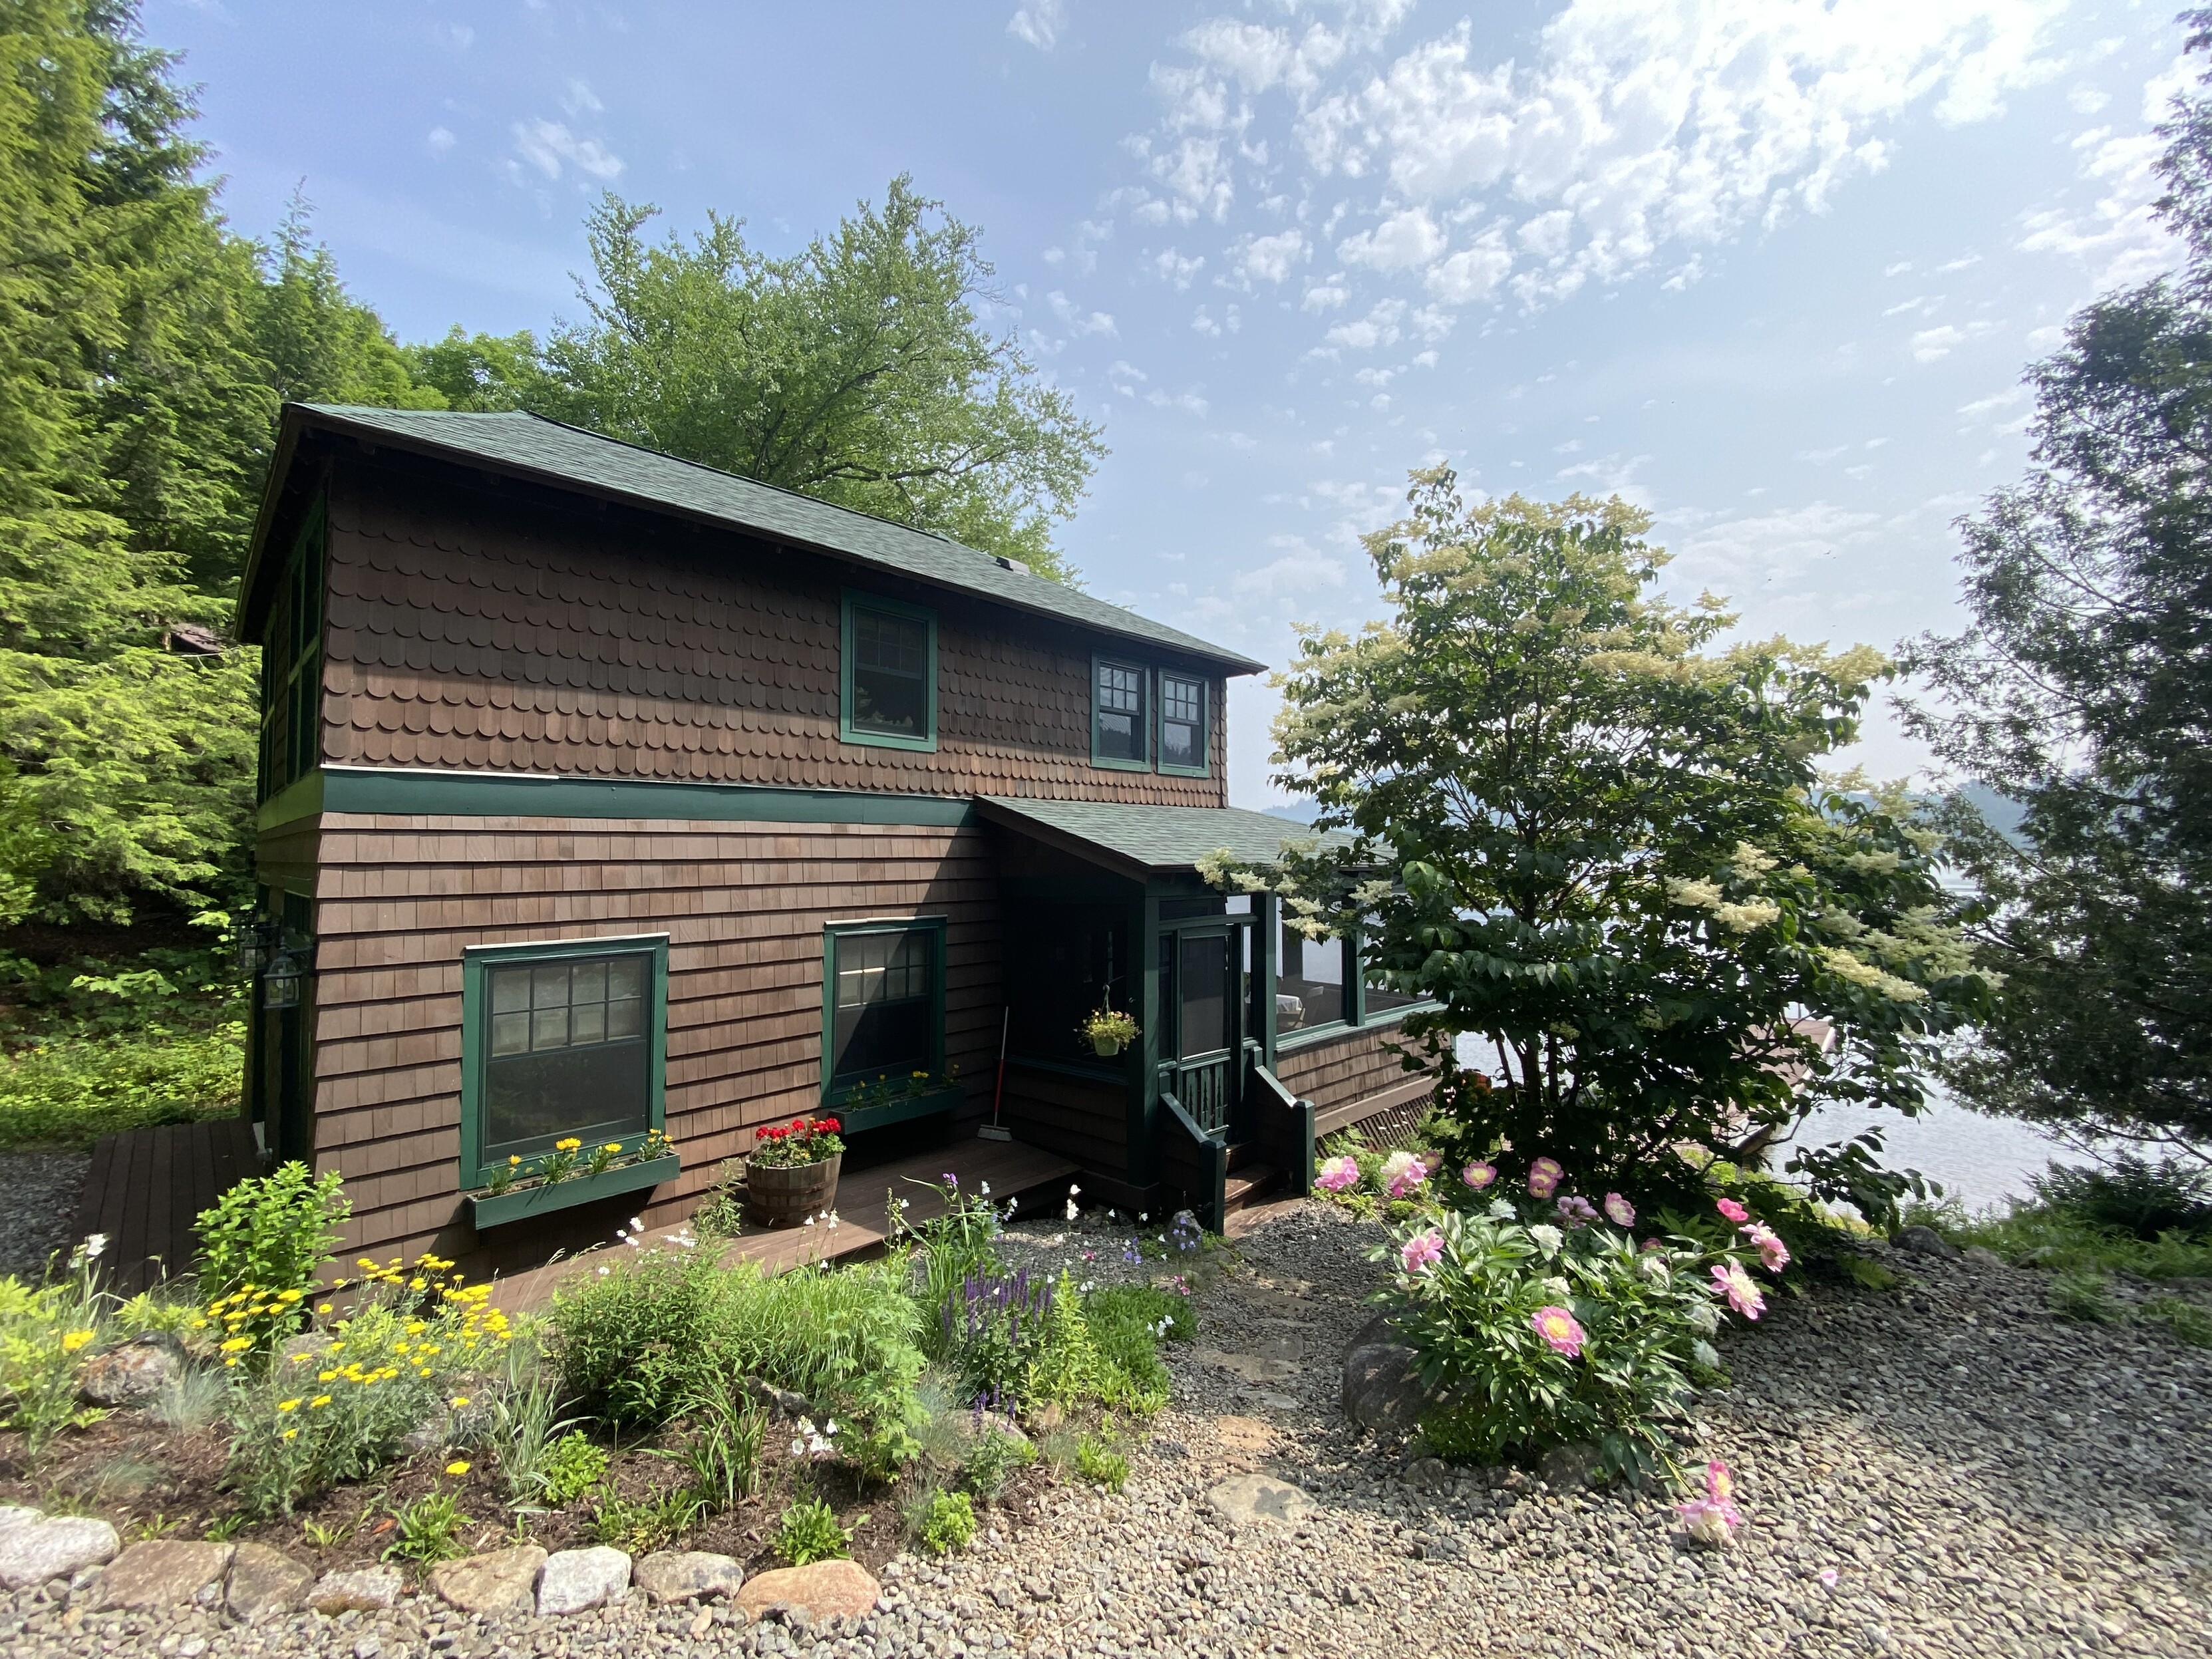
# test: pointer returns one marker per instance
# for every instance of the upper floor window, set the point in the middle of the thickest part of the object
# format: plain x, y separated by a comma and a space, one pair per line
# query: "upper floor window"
888, 695
1120, 733
1183, 723
292, 663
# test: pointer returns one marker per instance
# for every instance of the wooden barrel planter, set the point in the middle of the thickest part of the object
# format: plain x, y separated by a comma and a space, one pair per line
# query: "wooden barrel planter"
784, 1196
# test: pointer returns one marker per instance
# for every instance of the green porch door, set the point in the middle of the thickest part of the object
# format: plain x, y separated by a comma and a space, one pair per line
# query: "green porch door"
1201, 995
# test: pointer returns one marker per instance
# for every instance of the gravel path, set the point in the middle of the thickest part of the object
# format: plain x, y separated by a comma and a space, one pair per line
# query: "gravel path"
1978, 1477
38, 1194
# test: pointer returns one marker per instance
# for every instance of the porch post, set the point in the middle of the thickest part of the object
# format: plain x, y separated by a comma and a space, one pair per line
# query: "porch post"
1267, 943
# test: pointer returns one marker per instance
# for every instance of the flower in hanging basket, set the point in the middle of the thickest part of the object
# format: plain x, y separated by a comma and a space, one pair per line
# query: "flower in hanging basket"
1108, 1031
802, 1140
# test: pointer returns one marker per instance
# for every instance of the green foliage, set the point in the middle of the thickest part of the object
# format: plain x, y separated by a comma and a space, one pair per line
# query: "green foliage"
571, 1467
272, 1232
2081, 692
993, 1460
524, 1429
1640, 934
662, 1326
429, 1531
1100, 1464
857, 371
641, 1525
807, 1532
2145, 1200
46, 1336
68, 1091
946, 1523
723, 1455
2192, 1321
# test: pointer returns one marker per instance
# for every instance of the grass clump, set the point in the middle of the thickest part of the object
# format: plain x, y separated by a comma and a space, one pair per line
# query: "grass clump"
946, 1523
1100, 1464
808, 1532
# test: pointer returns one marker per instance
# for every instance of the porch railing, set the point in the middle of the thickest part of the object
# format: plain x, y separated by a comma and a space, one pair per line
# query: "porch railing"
1193, 1162
1207, 1091
1283, 1124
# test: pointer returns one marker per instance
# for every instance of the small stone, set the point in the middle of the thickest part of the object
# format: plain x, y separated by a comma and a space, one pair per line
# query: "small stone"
1982, 1256
166, 1573
1569, 1467
132, 1372
501, 1582
266, 1584
428, 1436
825, 1589
1926, 1240
575, 1581
1428, 1473
1248, 1498
31, 1553
688, 1575
366, 1589
370, 1647
191, 1647
1382, 1388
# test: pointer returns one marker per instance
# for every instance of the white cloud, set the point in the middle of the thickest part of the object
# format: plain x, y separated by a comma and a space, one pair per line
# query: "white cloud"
1269, 258
1189, 402
549, 146
2117, 235
1325, 296
1930, 344
580, 99
1737, 556
1300, 568
1076, 320
1379, 328
441, 140
1202, 322
1473, 273
1405, 240
1039, 23
1172, 267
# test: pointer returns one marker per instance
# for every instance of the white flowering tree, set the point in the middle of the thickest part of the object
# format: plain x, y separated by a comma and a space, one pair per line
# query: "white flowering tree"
1604, 846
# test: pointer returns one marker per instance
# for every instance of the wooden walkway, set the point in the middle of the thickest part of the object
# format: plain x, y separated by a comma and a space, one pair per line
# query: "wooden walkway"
1012, 1171
146, 1186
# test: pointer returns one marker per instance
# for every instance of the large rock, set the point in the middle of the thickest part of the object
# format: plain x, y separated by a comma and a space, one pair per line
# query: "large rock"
1926, 1240
266, 1584
1572, 1467
13, 1515
366, 1589
34, 1551
575, 1581
166, 1573
1382, 1389
502, 1581
133, 1373
688, 1575
1243, 1500
826, 1590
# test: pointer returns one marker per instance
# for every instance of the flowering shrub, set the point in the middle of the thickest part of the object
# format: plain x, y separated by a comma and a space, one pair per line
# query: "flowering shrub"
1537, 1333
45, 1337
273, 1232
570, 1160
802, 1140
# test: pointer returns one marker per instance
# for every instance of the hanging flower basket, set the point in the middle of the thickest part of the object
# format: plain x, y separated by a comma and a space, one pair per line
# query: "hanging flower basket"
1108, 1031
793, 1172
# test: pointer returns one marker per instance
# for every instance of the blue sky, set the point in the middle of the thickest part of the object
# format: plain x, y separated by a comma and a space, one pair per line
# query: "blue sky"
1770, 269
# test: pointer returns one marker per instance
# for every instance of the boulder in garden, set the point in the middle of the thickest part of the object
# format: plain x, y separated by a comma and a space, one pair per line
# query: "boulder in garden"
1383, 1388
366, 1589
32, 1552
266, 1584
500, 1582
1245, 1499
166, 1573
575, 1581
688, 1575
826, 1590
133, 1371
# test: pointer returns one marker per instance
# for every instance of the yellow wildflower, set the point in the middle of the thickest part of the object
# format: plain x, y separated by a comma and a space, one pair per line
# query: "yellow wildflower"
291, 1434
458, 1466
319, 1402
238, 1344
459, 1401
288, 1405
75, 1339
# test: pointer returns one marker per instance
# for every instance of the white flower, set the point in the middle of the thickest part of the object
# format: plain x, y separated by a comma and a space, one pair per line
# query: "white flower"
1501, 1211
94, 1245
1142, 1218
799, 1448
829, 1427
636, 1225
809, 1221
833, 1217
1073, 1212
1705, 1354
983, 1190
603, 1272
1548, 1237
1073, 1189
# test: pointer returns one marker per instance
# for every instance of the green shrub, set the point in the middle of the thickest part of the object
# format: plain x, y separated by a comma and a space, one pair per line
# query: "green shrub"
993, 1460
1535, 1334
808, 1532
430, 1530
642, 1525
1097, 1462
2131, 1195
70, 1091
1127, 1324
2190, 1321
947, 1522
46, 1336
271, 1233
571, 1467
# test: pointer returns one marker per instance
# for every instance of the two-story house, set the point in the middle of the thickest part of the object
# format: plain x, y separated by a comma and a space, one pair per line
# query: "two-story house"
602, 793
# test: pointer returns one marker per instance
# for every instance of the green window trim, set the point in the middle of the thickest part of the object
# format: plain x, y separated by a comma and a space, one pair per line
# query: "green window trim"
1099, 664
478, 960
292, 660
1176, 686
1358, 1015
852, 607
834, 1089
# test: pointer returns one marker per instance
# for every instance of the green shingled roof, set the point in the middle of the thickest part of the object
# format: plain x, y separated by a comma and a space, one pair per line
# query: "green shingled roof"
1154, 838
531, 445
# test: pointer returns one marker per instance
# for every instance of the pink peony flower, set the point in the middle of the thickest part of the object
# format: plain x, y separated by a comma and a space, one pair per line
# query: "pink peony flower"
1732, 1210
1422, 1251
1479, 1175
1576, 1212
1713, 1518
1544, 1177
1618, 1211
1773, 1254
1653, 1244
1339, 1175
1720, 1482
1403, 1172
1743, 1295
1558, 1326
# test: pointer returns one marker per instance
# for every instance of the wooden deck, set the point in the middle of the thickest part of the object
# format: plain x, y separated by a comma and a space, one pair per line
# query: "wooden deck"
147, 1186
1009, 1169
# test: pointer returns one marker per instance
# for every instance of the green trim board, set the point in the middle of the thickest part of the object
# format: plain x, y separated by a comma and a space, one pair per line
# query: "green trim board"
493, 1210
858, 1120
1291, 1042
851, 605
426, 791
833, 1089
477, 959
1140, 673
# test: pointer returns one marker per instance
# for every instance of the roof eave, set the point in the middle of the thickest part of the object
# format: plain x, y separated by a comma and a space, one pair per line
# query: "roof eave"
246, 614
1076, 845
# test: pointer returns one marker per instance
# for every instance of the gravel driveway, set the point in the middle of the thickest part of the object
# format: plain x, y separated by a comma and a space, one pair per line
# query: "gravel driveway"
1976, 1477
39, 1196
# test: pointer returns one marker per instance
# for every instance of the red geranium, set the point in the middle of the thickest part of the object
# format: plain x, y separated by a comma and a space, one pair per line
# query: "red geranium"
803, 1141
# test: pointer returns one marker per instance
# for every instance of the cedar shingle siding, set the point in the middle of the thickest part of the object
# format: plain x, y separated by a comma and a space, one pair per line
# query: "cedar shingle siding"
1337, 1071
469, 630
397, 899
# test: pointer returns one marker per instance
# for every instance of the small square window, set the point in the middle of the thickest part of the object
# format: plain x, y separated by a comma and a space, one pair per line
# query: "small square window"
886, 1006
1183, 724
889, 690
1118, 728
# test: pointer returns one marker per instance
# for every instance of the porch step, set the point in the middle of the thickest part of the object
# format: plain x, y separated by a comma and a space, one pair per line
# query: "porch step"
1243, 1152
1250, 1185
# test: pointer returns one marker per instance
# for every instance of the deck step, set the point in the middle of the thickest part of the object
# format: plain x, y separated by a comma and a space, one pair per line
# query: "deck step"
1243, 1152
1249, 1184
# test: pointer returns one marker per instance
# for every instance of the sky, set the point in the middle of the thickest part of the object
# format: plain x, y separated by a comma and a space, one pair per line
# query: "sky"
1770, 269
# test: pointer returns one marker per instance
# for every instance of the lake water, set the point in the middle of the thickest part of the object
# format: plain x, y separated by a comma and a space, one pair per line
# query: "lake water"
1982, 1161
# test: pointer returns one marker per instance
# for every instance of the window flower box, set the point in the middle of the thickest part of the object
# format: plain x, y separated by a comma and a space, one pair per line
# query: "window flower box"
496, 1209
859, 1111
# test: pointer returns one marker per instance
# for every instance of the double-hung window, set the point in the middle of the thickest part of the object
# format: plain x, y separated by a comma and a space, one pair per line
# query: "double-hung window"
560, 1040
1183, 724
1120, 733
888, 690
292, 663
883, 1001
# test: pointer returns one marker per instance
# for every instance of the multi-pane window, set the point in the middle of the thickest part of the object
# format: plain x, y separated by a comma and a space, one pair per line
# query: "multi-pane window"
1309, 982
1183, 723
885, 1013
292, 663
889, 694
566, 1044
1118, 714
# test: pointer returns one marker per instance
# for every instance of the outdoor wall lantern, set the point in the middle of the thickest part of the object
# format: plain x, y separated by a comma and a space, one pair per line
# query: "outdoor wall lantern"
280, 986
257, 943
